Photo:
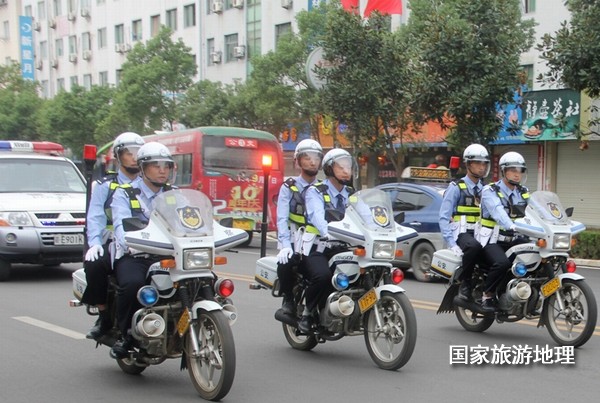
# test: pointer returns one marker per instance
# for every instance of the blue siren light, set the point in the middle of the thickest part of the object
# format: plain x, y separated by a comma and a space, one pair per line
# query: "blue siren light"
147, 295
340, 281
519, 270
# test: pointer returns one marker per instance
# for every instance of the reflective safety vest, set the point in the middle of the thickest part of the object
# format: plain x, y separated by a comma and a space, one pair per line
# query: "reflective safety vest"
134, 203
322, 188
468, 206
112, 187
297, 207
489, 222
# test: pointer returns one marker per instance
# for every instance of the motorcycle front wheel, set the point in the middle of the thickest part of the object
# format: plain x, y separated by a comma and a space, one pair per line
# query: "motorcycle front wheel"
391, 345
575, 324
473, 321
299, 342
212, 369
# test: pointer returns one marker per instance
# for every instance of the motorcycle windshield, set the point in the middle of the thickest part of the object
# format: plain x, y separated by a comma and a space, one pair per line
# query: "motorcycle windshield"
547, 206
186, 212
374, 209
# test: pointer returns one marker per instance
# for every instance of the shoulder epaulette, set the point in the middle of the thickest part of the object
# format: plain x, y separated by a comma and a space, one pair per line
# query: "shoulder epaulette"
109, 177
289, 182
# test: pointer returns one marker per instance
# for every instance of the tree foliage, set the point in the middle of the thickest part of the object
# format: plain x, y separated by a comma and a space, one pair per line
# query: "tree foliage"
206, 103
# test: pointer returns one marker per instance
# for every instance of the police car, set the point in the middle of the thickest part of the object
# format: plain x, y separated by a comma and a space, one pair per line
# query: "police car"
42, 205
419, 197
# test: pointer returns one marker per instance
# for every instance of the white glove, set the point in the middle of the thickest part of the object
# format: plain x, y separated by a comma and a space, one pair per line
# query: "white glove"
513, 227
284, 255
325, 238
457, 250
94, 252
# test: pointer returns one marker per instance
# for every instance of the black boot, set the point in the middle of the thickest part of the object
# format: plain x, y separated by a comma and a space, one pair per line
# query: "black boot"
101, 327
288, 307
121, 348
465, 290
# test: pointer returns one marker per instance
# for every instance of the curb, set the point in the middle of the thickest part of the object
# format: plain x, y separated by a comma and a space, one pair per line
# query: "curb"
589, 263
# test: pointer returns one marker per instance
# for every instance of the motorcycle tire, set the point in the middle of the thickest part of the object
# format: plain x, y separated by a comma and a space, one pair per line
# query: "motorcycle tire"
211, 370
473, 321
299, 342
391, 345
574, 325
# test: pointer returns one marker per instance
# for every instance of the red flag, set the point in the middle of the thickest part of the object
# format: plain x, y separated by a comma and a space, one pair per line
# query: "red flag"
384, 7
350, 5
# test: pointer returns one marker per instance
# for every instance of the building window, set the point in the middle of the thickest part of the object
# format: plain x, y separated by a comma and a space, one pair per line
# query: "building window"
86, 41
281, 30
526, 76
210, 49
87, 81
60, 84
72, 44
189, 16
119, 34
136, 30
43, 50
254, 37
231, 41
172, 19
118, 74
41, 10
56, 8
29, 11
5, 30
45, 88
102, 38
58, 45
74, 81
103, 78
154, 25
100, 2
71, 6
528, 6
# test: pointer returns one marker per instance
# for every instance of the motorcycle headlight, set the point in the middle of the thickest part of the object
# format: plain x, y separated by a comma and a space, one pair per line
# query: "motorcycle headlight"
15, 219
561, 241
384, 250
194, 259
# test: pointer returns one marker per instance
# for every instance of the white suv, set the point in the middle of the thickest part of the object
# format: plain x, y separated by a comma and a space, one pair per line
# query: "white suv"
42, 206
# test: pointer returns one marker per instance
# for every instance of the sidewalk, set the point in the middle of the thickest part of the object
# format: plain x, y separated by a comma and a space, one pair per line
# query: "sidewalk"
588, 263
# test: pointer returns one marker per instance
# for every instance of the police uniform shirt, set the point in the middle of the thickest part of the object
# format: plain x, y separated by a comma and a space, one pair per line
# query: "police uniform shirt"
284, 235
491, 205
449, 204
121, 209
96, 220
315, 204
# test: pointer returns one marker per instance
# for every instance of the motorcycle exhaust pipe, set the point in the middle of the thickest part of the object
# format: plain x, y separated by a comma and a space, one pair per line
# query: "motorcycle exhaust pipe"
230, 312
150, 325
342, 307
519, 292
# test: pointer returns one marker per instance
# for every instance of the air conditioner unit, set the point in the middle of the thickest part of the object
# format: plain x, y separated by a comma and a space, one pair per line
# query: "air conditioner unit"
85, 12
72, 16
238, 3
39, 64
119, 47
239, 51
73, 57
215, 57
286, 4
126, 47
87, 55
36, 25
52, 22
54, 63
217, 7
3, 2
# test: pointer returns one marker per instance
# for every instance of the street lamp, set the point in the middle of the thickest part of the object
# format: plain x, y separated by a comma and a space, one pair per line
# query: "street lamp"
267, 162
89, 158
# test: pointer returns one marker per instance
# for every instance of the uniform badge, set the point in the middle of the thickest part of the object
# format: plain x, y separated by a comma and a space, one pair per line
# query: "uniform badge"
380, 216
554, 210
190, 217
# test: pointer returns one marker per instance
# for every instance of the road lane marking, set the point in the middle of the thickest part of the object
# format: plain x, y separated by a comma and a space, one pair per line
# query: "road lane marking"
49, 326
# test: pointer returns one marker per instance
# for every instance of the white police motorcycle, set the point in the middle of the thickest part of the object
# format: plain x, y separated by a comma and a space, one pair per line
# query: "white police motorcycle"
365, 298
186, 309
541, 283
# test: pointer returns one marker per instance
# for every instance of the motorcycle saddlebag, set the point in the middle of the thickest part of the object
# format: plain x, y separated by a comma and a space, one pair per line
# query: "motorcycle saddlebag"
79, 283
266, 271
445, 263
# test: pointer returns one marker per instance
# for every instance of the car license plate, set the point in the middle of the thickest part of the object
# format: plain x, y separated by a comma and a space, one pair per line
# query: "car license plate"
68, 239
246, 225
184, 322
367, 301
550, 287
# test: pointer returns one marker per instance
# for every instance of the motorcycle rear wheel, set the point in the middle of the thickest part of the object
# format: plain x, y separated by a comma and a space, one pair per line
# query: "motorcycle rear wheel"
391, 345
576, 323
472, 321
213, 370
299, 342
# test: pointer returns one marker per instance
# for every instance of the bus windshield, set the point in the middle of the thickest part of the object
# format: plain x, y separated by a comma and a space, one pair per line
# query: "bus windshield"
237, 153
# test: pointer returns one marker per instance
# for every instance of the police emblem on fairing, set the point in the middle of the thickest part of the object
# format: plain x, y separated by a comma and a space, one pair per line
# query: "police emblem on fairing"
380, 216
554, 210
190, 217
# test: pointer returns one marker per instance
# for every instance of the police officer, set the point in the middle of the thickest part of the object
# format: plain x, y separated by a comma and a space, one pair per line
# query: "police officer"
135, 200
290, 215
325, 201
460, 211
502, 202
97, 263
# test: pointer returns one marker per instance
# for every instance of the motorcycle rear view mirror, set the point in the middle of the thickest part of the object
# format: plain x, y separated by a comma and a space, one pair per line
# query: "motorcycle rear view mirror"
400, 217
569, 211
133, 224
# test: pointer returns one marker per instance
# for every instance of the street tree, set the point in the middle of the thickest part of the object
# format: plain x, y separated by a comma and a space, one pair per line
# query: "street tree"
206, 103
465, 58
20, 105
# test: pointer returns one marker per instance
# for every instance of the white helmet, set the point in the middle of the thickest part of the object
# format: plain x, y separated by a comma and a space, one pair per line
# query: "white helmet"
514, 160
127, 141
339, 156
475, 152
308, 145
153, 151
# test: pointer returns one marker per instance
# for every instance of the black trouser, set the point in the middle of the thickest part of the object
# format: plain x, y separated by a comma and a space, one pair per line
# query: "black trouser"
471, 252
495, 257
316, 270
286, 275
96, 276
131, 276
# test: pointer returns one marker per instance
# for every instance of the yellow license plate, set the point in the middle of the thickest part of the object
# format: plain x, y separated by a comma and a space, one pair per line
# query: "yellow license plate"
550, 287
246, 225
184, 322
367, 301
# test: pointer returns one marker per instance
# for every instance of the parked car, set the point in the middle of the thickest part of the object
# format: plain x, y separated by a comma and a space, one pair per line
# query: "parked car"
420, 204
42, 206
